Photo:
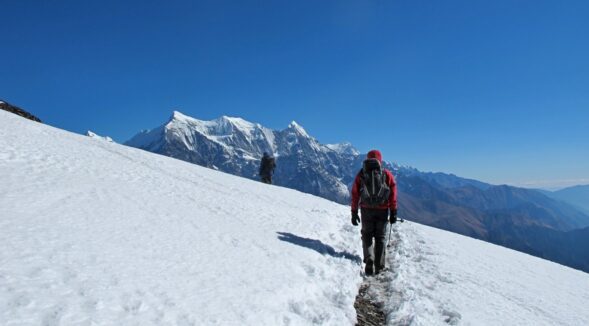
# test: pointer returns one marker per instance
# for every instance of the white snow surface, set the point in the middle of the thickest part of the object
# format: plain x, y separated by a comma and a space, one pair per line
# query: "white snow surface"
92, 134
96, 233
439, 278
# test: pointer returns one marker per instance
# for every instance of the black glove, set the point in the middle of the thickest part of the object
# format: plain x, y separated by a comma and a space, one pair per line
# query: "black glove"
355, 218
393, 217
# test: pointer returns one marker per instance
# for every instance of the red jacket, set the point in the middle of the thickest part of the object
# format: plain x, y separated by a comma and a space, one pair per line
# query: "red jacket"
391, 203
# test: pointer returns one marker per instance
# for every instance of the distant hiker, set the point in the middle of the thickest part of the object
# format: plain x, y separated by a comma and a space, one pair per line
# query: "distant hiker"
375, 192
267, 167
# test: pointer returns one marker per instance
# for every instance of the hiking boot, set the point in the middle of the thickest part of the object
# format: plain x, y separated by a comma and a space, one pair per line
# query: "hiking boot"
369, 269
379, 269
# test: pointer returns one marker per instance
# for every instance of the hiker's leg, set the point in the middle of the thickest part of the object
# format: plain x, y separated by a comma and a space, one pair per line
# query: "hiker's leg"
380, 233
368, 228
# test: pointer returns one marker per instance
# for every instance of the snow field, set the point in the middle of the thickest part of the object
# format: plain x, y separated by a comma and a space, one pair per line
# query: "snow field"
442, 278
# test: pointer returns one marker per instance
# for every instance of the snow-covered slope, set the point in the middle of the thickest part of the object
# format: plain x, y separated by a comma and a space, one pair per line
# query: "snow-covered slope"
440, 277
96, 136
93, 232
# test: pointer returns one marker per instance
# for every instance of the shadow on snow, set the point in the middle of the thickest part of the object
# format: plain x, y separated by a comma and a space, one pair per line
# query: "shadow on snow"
318, 246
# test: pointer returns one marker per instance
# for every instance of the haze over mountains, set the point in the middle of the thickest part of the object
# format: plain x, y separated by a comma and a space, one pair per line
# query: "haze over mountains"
577, 196
522, 219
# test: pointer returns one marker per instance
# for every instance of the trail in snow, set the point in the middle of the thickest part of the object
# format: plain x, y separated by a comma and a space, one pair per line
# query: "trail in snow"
369, 312
441, 278
375, 290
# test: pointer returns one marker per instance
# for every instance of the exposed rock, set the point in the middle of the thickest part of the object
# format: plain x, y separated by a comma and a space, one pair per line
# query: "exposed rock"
18, 111
368, 312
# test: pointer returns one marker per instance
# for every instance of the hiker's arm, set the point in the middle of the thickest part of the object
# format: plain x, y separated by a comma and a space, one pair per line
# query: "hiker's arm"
393, 195
356, 193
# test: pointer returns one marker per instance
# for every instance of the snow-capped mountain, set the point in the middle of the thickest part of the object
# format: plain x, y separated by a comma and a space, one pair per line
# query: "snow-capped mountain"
235, 146
96, 233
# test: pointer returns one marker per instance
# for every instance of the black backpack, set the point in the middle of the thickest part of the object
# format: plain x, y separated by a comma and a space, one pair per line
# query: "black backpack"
374, 189
267, 166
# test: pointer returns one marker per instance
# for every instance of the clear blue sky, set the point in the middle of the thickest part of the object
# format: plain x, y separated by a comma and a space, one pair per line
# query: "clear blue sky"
493, 90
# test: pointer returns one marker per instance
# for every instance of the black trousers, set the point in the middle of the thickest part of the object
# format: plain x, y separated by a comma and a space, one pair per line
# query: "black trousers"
267, 179
374, 226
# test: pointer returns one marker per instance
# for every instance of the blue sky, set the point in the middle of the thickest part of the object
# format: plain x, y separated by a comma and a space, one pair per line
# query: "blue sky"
492, 90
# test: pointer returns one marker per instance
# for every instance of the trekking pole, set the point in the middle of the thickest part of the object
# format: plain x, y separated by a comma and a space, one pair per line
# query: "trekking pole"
391, 229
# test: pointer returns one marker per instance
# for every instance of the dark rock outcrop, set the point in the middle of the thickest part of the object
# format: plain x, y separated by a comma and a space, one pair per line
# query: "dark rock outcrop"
18, 111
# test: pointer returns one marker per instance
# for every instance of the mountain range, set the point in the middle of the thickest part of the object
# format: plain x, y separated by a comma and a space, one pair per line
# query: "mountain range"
577, 196
235, 146
522, 219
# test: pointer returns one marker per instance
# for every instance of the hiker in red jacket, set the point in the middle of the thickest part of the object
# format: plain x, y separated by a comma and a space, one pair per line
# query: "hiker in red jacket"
375, 192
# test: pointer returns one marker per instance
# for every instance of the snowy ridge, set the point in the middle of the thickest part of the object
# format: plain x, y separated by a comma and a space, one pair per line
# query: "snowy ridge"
94, 135
217, 129
298, 129
345, 148
221, 131
220, 126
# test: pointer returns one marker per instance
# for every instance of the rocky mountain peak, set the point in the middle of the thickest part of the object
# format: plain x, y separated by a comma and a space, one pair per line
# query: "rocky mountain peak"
298, 129
179, 116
